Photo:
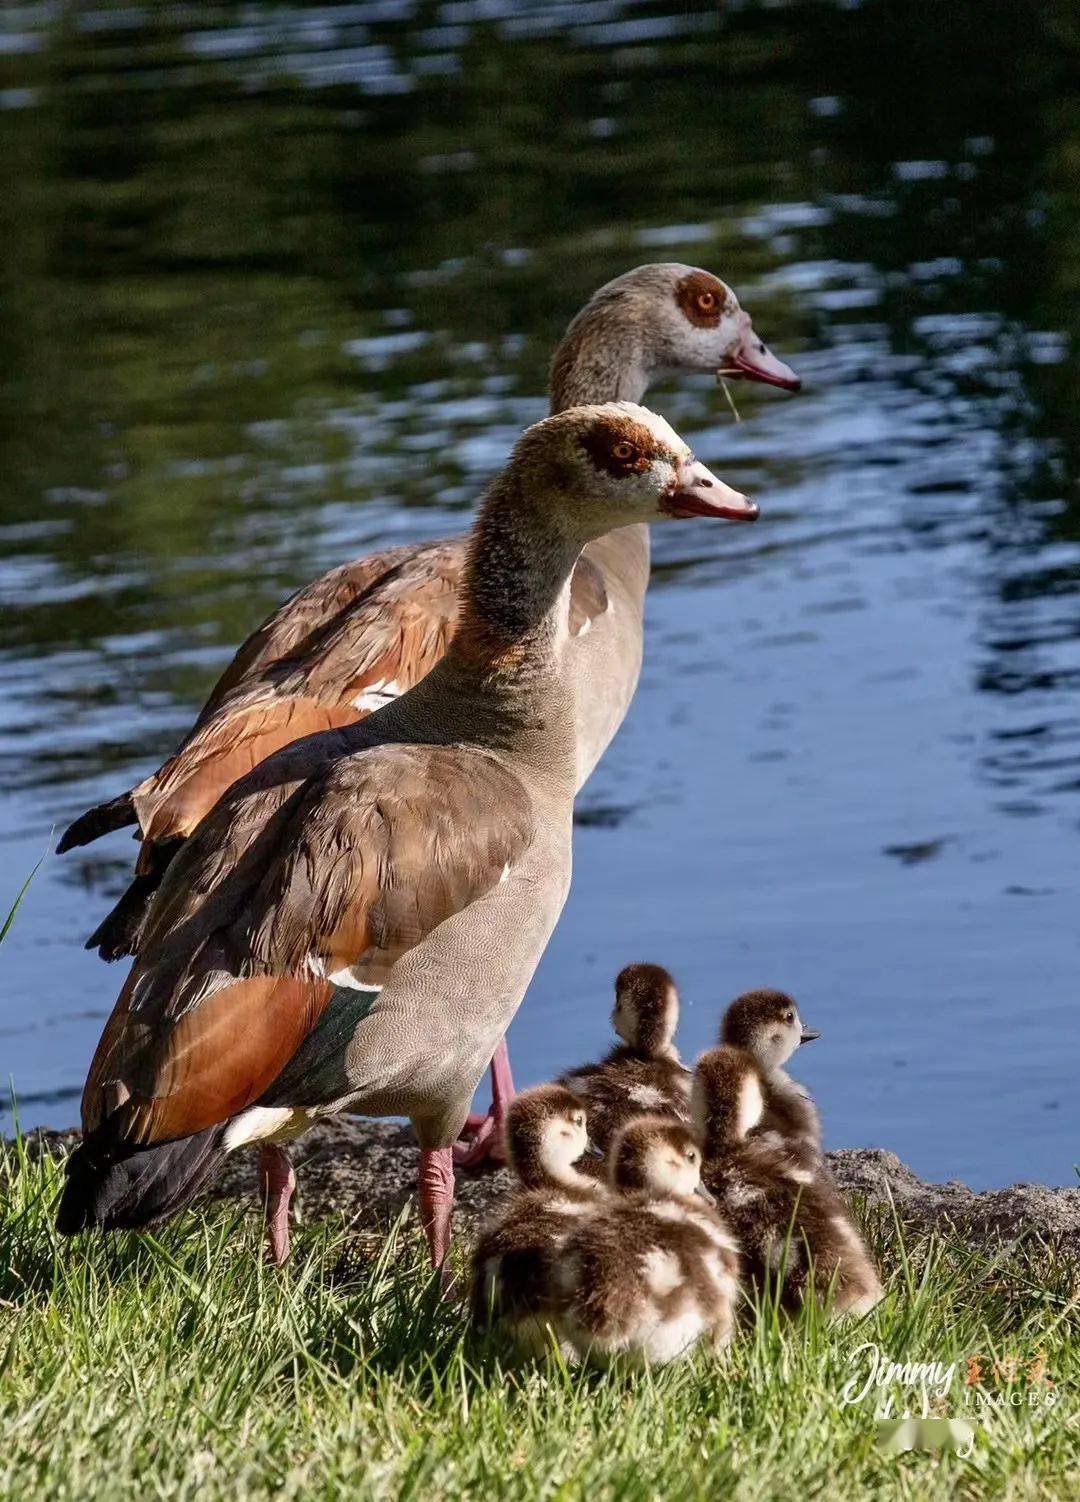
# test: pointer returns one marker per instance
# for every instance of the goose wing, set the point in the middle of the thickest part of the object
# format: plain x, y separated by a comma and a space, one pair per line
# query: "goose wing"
346, 661
283, 887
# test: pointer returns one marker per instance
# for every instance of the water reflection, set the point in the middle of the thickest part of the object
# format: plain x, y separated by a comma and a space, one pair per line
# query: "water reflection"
285, 282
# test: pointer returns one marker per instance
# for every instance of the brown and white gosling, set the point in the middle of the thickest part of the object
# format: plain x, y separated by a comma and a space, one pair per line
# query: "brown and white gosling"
515, 1256
789, 1219
655, 1270
643, 1073
767, 1025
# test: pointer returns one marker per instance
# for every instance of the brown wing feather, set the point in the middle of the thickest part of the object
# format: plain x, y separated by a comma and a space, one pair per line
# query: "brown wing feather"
303, 613
281, 886
390, 634
220, 1057
445, 819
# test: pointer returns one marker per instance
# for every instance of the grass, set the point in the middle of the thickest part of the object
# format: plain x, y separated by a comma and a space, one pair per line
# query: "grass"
178, 1365
19, 897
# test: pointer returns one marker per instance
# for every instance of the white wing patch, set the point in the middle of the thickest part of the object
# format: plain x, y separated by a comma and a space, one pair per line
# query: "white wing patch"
261, 1122
375, 695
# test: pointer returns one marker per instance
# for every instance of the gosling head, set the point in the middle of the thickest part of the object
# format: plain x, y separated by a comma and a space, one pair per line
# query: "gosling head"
727, 1098
659, 317
599, 467
767, 1024
545, 1136
657, 1156
646, 1011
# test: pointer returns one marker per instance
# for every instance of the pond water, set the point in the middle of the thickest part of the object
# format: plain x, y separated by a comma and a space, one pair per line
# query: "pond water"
280, 285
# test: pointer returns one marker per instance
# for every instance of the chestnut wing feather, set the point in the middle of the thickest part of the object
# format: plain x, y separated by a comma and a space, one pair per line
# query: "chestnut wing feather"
291, 626
280, 888
381, 641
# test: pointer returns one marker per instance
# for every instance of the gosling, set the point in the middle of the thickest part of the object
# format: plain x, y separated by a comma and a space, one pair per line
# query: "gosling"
767, 1025
653, 1272
790, 1221
515, 1256
644, 1072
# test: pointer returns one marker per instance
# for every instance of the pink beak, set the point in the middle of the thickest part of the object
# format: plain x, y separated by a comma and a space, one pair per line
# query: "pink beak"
752, 361
699, 493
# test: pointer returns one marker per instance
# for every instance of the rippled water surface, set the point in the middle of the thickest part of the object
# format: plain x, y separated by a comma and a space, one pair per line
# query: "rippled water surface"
280, 283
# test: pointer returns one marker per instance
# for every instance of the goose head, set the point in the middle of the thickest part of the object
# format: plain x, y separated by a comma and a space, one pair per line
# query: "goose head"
727, 1097
656, 1156
545, 1136
646, 1011
657, 318
766, 1024
601, 467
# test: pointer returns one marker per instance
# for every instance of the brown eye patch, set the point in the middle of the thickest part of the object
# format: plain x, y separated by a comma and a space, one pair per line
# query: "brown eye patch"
702, 298
621, 447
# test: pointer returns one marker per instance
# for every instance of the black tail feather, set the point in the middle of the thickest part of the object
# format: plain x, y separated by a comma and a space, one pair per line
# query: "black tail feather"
102, 819
120, 931
122, 1188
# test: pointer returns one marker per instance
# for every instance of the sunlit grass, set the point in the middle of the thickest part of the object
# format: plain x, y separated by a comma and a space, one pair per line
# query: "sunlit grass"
178, 1364
19, 897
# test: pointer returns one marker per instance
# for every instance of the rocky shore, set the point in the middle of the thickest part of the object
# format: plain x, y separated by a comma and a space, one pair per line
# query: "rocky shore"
364, 1172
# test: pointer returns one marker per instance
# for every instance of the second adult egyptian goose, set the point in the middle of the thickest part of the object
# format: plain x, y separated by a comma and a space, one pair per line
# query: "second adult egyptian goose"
356, 921
369, 630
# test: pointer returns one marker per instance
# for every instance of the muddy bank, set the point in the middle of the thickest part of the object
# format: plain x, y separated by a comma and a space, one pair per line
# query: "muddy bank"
364, 1171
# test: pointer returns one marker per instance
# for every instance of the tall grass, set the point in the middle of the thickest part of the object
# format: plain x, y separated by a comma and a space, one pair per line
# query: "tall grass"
15, 906
178, 1365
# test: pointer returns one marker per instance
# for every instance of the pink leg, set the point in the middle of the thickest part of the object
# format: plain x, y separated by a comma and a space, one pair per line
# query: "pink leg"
436, 1199
278, 1181
486, 1143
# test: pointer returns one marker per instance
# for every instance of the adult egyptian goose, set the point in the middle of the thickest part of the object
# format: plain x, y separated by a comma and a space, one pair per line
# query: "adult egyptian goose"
366, 632
356, 921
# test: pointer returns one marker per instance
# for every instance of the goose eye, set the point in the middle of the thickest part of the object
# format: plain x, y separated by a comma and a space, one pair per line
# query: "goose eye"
623, 451
706, 301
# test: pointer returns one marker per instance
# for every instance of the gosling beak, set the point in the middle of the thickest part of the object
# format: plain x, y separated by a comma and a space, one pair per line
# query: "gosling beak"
698, 492
710, 1199
809, 1034
592, 1151
752, 361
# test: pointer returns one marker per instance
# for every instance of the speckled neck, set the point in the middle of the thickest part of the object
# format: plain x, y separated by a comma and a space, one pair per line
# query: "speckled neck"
516, 577
501, 683
601, 370
603, 359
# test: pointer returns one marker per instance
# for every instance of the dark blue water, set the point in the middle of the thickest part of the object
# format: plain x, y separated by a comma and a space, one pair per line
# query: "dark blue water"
281, 285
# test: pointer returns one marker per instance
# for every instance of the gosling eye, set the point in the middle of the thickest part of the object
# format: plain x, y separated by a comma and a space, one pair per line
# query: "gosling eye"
790, 1017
